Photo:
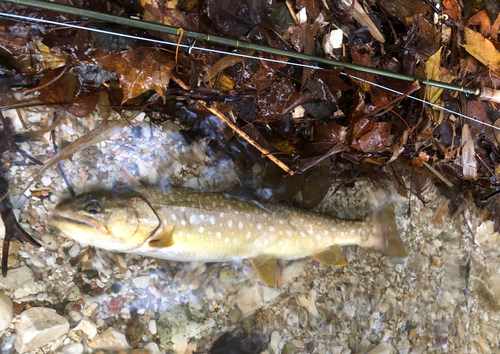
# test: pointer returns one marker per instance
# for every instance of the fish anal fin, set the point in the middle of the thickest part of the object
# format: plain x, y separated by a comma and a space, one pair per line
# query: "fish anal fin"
266, 268
162, 239
330, 257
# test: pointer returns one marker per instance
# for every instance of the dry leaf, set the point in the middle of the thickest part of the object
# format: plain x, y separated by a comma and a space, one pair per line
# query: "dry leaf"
482, 49
469, 162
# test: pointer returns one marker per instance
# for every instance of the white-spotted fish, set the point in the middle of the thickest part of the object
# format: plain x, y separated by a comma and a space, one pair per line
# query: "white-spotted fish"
189, 226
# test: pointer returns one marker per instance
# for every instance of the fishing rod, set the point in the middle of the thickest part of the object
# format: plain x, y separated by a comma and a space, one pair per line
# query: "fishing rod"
483, 94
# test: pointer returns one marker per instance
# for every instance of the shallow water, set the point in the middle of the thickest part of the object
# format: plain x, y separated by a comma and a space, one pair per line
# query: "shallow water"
443, 298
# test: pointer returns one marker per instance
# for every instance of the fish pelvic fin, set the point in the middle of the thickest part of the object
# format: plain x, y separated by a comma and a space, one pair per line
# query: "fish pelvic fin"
386, 236
330, 257
266, 268
162, 239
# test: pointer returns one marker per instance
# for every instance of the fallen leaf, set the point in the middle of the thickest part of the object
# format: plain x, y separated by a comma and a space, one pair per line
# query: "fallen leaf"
332, 84
469, 162
483, 20
452, 9
482, 49
434, 71
140, 70
371, 136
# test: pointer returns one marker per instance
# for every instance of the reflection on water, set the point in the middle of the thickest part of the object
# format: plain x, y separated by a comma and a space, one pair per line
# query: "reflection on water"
443, 298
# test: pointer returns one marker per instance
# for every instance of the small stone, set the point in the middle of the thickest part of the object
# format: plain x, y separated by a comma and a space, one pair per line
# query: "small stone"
88, 327
152, 327
16, 278
74, 250
293, 270
46, 181
250, 300
382, 348
74, 293
88, 311
153, 348
37, 261
141, 282
110, 339
288, 348
6, 311
49, 242
29, 289
75, 348
75, 316
37, 327
274, 342
134, 331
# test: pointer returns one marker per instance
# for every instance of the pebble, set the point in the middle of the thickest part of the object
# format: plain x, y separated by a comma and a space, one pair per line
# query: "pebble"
29, 289
16, 278
73, 293
152, 327
141, 282
37, 261
88, 327
75, 348
6, 311
74, 250
75, 316
110, 339
274, 342
37, 327
382, 348
49, 242
153, 348
250, 300
46, 181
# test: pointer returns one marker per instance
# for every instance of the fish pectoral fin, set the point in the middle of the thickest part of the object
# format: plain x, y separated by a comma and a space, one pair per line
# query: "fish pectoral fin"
331, 257
163, 239
266, 268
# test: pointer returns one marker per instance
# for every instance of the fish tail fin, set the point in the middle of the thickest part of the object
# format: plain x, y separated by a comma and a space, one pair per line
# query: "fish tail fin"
386, 238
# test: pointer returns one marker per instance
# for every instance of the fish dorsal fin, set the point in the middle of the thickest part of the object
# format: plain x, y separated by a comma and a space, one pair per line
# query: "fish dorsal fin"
162, 239
266, 268
330, 257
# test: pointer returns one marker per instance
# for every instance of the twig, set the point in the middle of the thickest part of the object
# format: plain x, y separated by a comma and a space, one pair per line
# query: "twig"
238, 131
441, 177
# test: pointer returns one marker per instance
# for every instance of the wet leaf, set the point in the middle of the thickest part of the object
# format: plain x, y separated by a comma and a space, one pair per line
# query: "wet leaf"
434, 71
331, 82
371, 136
476, 110
140, 70
482, 49
452, 9
483, 20
60, 91
279, 100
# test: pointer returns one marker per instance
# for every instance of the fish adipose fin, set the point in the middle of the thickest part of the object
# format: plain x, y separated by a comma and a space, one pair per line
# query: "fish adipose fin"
386, 238
266, 268
330, 257
162, 240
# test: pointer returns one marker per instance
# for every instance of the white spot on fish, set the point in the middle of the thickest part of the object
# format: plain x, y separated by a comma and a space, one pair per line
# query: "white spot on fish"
188, 236
236, 213
201, 229
249, 234
214, 204
319, 222
281, 222
318, 237
334, 229
271, 228
265, 242
192, 219
174, 217
212, 220
326, 232
280, 243
230, 223
235, 241
226, 240
302, 234
218, 235
289, 233
301, 220
247, 215
181, 233
342, 233
183, 222
202, 216
264, 215
352, 232
183, 209
221, 215
259, 226
240, 225
281, 232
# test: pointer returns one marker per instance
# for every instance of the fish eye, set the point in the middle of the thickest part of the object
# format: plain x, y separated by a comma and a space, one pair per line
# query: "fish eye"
93, 208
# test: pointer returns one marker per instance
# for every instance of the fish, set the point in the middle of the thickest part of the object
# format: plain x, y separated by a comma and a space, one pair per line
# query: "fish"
188, 226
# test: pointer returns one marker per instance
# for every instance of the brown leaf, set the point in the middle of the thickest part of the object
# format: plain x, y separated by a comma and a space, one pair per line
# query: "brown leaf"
452, 9
476, 110
483, 20
332, 84
60, 91
83, 103
140, 70
281, 99
376, 140
482, 49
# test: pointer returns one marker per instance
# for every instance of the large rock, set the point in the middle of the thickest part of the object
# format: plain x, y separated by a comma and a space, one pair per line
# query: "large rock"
37, 327
6, 311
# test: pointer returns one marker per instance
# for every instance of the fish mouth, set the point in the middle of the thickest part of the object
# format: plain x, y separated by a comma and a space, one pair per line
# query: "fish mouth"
62, 218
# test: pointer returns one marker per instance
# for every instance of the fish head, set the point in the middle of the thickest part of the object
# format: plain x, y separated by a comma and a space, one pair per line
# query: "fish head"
113, 221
